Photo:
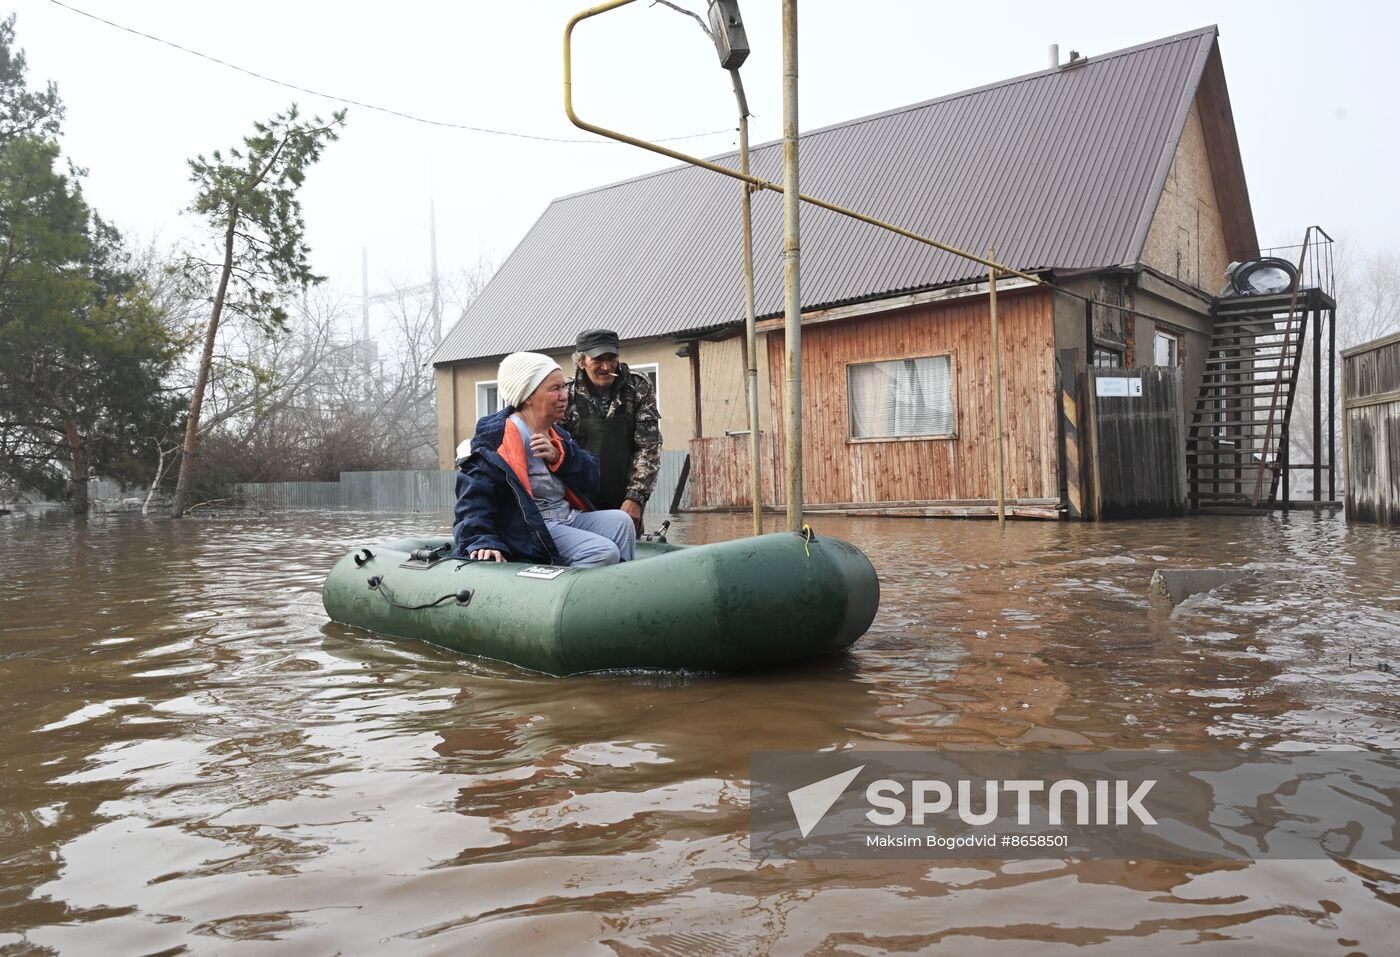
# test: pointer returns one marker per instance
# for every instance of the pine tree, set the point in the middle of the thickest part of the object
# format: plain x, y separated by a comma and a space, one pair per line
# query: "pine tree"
251, 200
82, 351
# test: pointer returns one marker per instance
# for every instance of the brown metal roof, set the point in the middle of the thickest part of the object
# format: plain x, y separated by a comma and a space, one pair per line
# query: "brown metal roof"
1057, 169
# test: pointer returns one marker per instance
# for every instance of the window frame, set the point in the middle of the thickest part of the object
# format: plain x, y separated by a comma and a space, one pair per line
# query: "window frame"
481, 387
1176, 343
642, 368
1119, 354
950, 355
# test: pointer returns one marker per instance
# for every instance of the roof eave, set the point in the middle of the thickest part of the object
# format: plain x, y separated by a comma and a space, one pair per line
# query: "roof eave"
1164, 161
1226, 163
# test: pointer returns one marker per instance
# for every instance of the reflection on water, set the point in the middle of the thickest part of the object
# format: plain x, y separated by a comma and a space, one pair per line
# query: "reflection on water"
192, 756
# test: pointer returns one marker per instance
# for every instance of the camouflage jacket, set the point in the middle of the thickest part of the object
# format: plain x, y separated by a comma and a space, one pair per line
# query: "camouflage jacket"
628, 411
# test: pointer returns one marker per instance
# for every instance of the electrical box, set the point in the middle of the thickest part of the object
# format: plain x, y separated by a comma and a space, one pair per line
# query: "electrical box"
728, 28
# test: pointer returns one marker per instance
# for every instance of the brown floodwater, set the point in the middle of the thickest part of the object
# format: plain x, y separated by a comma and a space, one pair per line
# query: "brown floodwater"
194, 760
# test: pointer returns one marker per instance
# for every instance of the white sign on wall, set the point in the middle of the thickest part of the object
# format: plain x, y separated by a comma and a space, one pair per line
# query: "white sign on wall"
1118, 386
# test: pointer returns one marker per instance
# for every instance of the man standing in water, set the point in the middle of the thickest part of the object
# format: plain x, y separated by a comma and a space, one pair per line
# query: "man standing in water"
612, 413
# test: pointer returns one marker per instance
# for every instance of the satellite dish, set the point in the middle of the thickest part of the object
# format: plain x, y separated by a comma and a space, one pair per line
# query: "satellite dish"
1260, 277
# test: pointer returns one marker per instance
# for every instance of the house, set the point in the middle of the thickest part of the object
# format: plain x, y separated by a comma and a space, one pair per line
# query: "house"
1117, 176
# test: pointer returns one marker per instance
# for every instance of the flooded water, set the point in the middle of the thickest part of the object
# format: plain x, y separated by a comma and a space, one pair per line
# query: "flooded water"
194, 760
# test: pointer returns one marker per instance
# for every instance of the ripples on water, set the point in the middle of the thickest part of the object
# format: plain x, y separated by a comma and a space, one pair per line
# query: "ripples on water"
195, 761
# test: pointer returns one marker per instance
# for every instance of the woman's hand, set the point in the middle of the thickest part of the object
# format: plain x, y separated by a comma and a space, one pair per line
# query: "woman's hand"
486, 555
543, 448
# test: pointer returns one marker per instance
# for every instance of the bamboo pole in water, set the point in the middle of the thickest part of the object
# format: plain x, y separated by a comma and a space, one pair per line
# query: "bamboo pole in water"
792, 261
750, 331
996, 387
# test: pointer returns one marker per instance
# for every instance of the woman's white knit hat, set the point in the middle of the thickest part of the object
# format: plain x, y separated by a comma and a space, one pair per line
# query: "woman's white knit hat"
520, 374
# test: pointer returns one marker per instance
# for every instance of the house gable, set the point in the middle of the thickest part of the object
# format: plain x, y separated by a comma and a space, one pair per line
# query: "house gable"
1203, 220
1187, 238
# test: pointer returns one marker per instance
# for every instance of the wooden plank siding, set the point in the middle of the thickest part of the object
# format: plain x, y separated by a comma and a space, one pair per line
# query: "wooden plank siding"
1371, 431
840, 471
719, 472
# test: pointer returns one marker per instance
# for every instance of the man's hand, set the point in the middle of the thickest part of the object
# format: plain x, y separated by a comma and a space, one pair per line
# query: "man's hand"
486, 555
634, 511
543, 448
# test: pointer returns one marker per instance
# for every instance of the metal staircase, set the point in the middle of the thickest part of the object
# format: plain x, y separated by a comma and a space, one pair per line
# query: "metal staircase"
1237, 445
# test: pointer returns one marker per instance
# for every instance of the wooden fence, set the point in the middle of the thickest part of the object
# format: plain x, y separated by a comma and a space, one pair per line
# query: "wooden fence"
720, 475
1371, 431
1138, 449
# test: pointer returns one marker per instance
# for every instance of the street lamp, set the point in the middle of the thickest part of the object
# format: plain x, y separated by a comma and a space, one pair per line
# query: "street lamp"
727, 29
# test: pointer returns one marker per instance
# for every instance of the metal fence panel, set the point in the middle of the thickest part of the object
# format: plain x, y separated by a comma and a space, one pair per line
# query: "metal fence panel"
659, 505
416, 490
290, 495
100, 489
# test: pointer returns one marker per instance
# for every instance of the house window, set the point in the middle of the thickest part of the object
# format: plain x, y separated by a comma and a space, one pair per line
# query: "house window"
1107, 358
1164, 349
488, 399
901, 397
653, 372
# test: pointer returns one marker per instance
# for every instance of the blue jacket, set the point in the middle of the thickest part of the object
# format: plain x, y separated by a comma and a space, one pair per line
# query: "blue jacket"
494, 506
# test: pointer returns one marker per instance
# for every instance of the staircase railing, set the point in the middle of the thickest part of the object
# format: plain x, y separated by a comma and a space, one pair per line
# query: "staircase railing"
1280, 455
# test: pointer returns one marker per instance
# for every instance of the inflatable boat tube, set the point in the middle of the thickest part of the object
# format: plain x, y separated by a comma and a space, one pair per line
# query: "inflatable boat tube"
730, 606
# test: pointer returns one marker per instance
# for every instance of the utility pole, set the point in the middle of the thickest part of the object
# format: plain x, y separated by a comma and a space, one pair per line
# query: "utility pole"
732, 43
364, 292
432, 247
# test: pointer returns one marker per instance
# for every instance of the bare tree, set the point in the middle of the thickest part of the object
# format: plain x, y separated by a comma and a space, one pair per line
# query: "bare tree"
408, 389
1368, 307
315, 400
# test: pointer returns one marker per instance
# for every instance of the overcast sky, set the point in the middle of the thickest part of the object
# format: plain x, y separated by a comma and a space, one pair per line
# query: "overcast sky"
1313, 86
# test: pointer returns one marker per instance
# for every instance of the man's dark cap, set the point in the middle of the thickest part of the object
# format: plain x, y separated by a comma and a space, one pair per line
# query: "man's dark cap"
598, 342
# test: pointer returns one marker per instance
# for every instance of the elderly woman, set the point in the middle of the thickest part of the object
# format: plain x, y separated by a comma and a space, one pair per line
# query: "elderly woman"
522, 492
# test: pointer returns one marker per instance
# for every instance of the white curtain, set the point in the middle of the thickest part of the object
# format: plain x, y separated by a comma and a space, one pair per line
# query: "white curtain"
901, 397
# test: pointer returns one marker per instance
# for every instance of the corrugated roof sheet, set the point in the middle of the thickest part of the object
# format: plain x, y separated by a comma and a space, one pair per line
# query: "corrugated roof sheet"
1057, 169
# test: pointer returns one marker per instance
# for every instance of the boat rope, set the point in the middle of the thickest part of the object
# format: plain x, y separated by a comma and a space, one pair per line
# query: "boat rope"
806, 538
376, 583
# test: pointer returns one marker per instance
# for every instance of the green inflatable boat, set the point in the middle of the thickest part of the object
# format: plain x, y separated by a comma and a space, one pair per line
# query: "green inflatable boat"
730, 606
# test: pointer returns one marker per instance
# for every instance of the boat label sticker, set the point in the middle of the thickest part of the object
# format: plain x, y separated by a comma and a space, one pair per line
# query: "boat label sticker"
541, 571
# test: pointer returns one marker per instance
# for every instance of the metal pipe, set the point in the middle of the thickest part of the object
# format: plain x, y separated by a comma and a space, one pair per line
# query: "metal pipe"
1317, 401
753, 181
1332, 402
750, 327
996, 387
792, 263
